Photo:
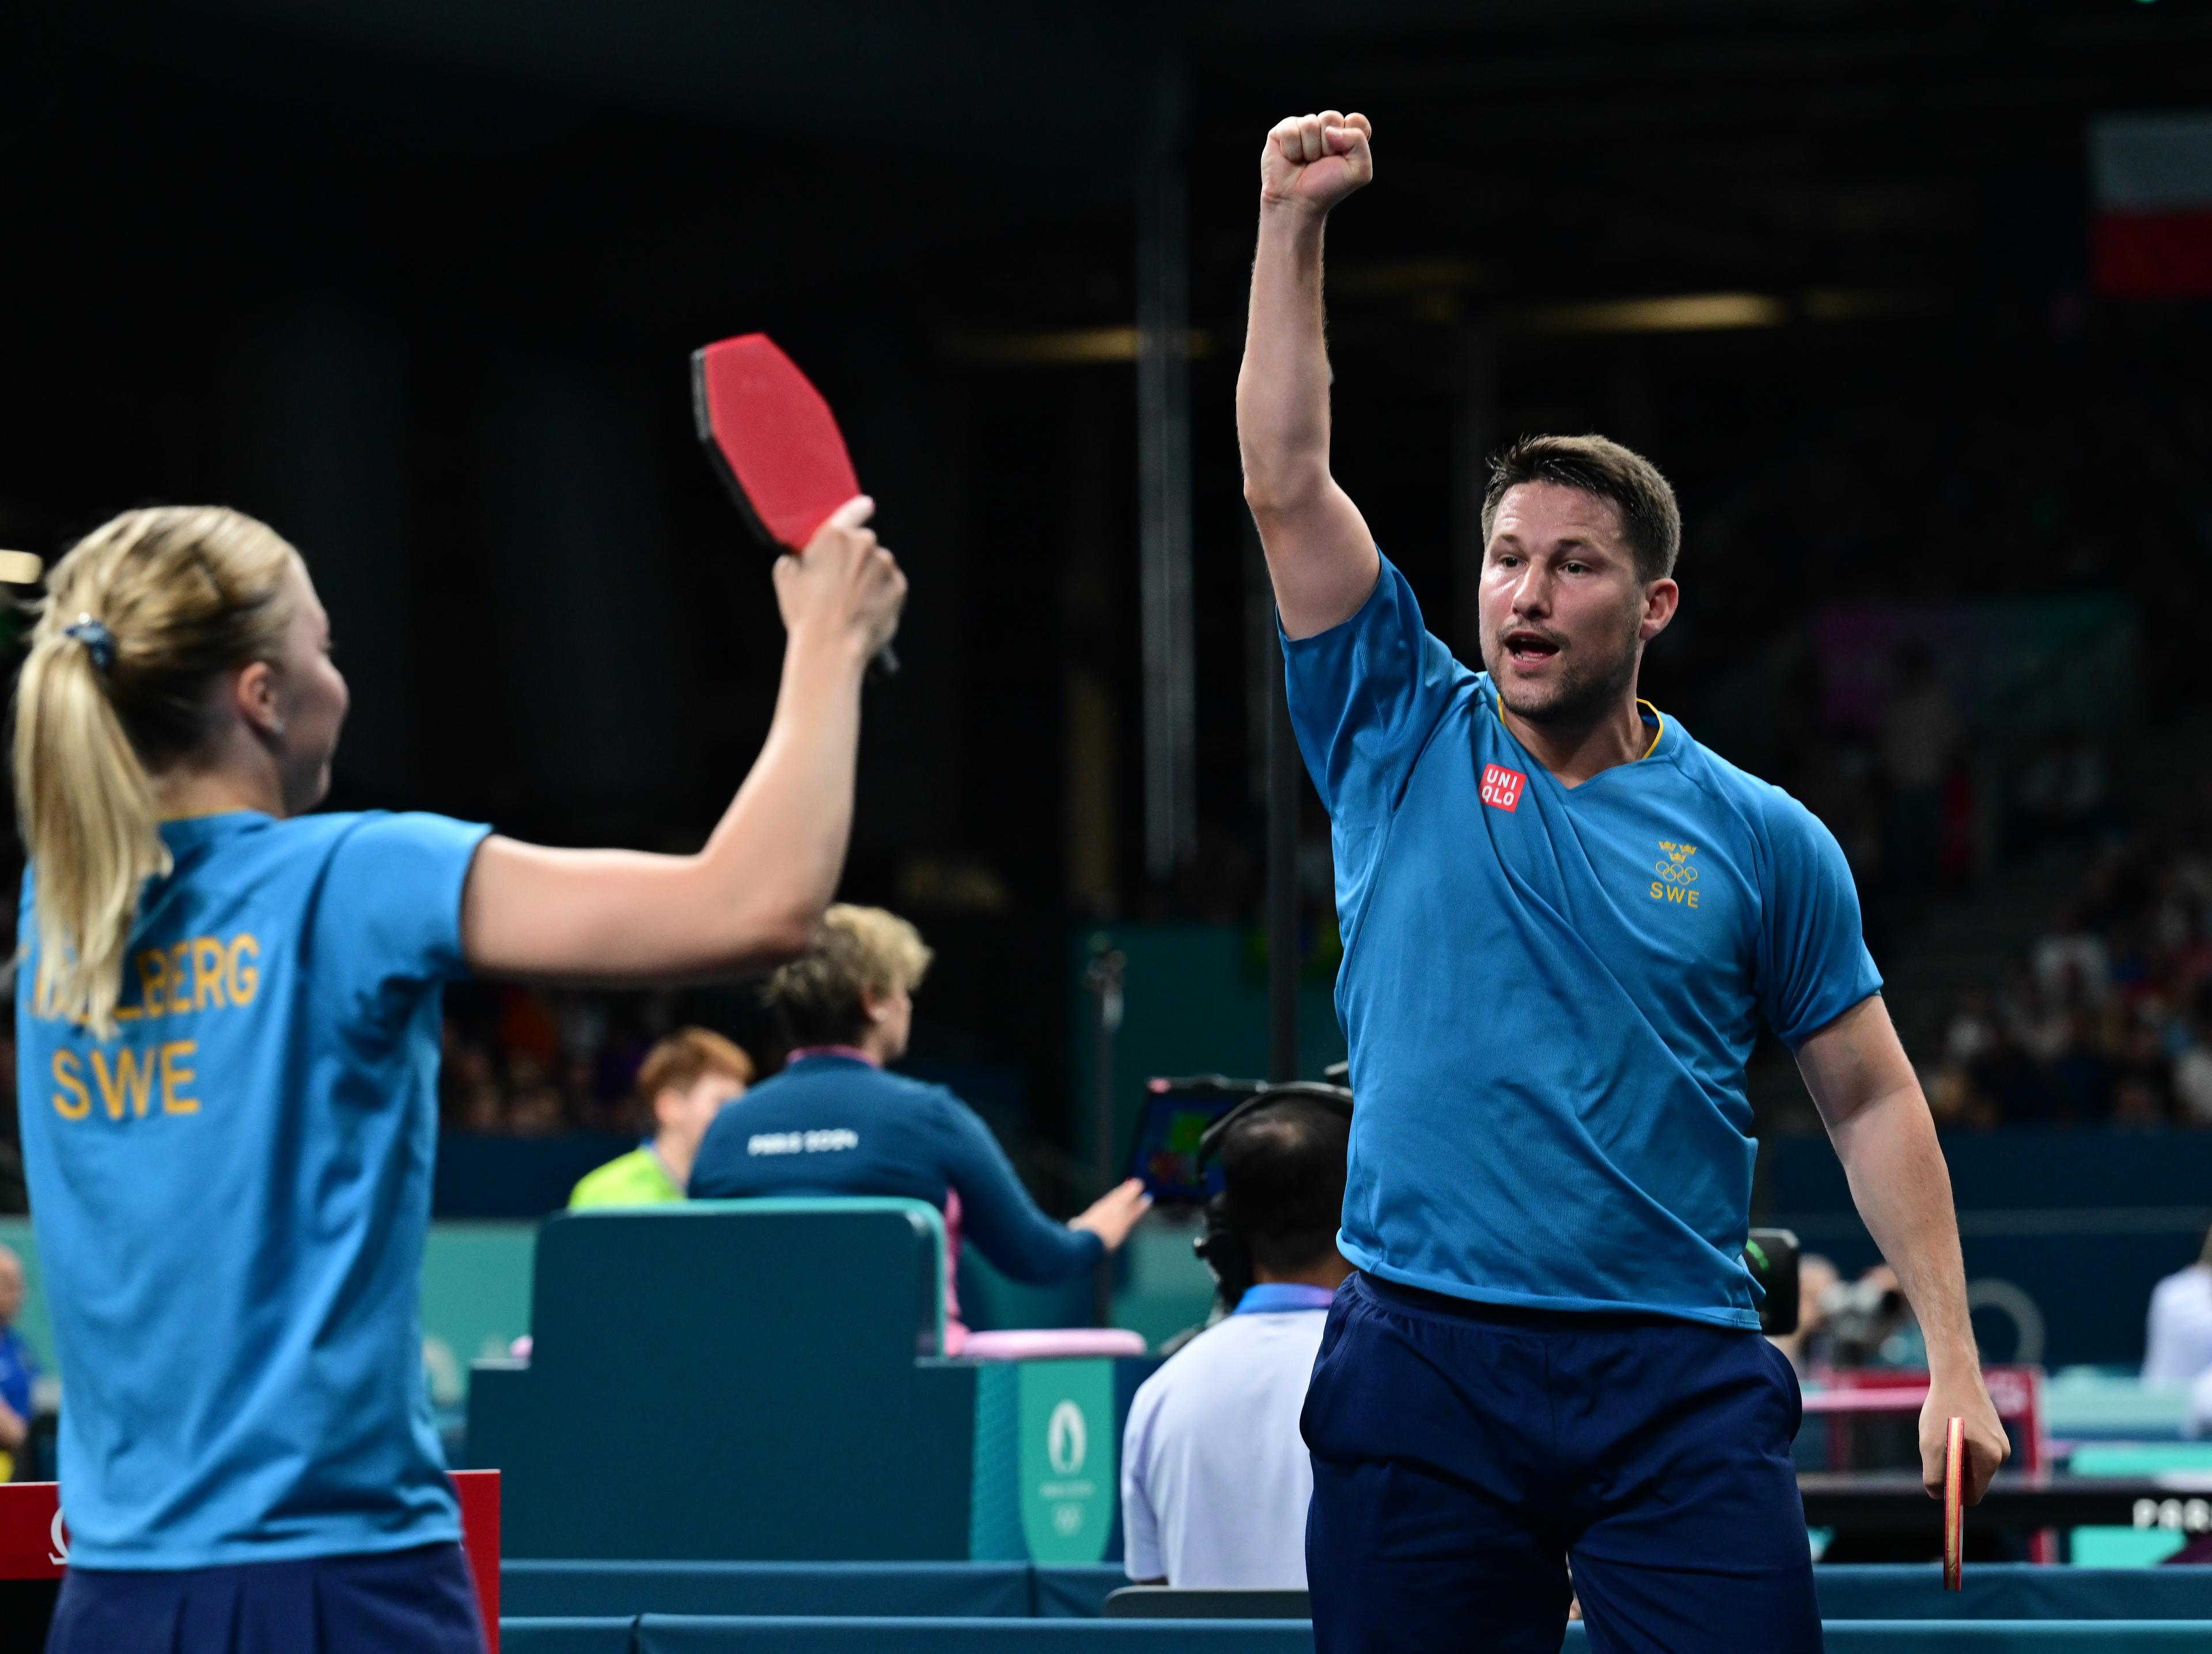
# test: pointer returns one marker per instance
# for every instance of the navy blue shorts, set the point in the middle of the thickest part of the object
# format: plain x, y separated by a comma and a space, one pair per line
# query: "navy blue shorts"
419, 1600
1463, 1453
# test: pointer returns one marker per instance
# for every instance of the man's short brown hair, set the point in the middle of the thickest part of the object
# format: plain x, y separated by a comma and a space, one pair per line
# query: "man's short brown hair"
682, 1060
1651, 521
820, 997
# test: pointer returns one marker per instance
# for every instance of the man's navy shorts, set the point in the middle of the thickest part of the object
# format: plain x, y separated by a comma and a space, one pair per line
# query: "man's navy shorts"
419, 1600
1463, 1453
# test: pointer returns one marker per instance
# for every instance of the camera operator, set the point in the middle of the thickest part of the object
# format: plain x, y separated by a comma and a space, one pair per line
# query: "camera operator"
1215, 1476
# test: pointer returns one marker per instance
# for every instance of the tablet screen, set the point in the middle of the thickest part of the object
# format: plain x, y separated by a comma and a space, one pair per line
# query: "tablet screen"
1166, 1155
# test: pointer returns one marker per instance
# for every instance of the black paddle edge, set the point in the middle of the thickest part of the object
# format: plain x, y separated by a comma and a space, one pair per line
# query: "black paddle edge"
886, 663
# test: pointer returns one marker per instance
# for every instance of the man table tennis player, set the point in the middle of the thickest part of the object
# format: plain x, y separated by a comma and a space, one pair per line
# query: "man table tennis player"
1564, 919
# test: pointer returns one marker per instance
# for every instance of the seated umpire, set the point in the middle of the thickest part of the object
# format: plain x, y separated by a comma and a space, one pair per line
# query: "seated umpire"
833, 1122
1215, 1477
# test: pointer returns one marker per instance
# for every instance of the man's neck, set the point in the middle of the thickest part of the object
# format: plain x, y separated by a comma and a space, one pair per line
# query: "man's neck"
1574, 753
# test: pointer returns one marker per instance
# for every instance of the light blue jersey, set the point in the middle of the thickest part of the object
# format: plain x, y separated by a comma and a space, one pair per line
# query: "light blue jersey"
231, 1196
1550, 992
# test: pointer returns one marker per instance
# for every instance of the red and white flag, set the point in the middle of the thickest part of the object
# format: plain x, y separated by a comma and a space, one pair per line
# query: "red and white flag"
2151, 178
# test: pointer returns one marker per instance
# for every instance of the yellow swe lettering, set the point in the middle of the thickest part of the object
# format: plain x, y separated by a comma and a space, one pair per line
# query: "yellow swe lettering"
132, 1082
1693, 898
245, 979
175, 1077
1658, 891
67, 1077
208, 960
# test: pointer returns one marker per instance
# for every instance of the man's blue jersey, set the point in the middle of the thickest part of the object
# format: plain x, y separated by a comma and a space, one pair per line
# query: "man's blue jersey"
231, 1196
1550, 992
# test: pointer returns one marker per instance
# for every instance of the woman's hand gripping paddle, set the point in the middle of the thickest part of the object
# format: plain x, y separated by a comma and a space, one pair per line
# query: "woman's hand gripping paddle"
1954, 1515
772, 438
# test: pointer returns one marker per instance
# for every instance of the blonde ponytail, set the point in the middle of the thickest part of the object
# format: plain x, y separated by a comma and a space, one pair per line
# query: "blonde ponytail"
141, 619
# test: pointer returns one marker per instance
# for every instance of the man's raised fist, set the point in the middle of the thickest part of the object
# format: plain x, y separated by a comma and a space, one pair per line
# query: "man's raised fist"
1315, 160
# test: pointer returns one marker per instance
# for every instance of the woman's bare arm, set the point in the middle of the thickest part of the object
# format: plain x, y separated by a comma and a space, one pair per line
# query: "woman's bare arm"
753, 896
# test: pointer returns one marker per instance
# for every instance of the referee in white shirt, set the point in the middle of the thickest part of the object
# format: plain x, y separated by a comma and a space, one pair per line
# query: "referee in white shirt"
1215, 1476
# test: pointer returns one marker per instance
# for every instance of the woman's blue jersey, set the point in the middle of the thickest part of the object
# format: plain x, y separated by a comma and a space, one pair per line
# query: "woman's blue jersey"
1550, 992
231, 1196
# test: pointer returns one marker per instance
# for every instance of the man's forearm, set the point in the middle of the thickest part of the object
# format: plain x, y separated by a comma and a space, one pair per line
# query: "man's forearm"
1282, 391
1902, 1191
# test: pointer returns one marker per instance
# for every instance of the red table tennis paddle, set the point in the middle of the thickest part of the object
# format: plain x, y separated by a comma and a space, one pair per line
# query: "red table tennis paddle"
1954, 1515
774, 441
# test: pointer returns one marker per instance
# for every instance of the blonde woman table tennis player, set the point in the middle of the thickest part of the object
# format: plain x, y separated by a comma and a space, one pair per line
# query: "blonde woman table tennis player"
227, 1019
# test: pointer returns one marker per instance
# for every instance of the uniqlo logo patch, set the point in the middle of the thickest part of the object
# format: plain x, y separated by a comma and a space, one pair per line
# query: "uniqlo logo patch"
1501, 787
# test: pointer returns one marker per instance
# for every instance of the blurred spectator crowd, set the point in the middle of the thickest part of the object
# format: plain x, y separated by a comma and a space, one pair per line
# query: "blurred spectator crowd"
2085, 481
2107, 1018
535, 1062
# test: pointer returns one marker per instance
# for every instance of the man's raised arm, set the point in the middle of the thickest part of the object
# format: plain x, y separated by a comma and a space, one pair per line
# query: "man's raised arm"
1320, 554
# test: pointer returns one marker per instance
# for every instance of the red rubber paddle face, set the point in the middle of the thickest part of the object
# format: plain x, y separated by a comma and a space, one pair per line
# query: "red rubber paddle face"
1955, 1516
772, 437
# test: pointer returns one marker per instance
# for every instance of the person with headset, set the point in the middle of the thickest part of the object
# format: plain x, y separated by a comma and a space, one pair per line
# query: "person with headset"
1215, 1478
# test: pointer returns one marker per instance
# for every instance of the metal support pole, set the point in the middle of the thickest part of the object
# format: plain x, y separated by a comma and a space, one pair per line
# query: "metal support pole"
1163, 480
1103, 978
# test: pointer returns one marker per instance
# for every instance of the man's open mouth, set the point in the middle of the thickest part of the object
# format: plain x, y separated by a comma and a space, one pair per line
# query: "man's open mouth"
1526, 646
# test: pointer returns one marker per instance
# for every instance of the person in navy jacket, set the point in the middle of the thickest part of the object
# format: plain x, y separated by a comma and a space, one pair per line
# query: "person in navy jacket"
836, 1122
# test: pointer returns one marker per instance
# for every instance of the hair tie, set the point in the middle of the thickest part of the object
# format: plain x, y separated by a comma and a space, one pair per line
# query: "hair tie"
99, 642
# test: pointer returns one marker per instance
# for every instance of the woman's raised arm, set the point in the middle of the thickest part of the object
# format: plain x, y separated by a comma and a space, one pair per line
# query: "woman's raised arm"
755, 894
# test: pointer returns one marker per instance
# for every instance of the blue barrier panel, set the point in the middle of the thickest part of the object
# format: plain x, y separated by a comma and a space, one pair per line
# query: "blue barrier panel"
680, 1634
2016, 1637
2021, 1168
931, 1590
1983, 1637
530, 1589
2083, 1222
2088, 1282
568, 1636
2013, 1591
655, 1634
675, 1634
1076, 1593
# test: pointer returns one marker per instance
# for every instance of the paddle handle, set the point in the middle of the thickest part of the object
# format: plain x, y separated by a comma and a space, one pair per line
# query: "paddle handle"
1954, 1515
885, 663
